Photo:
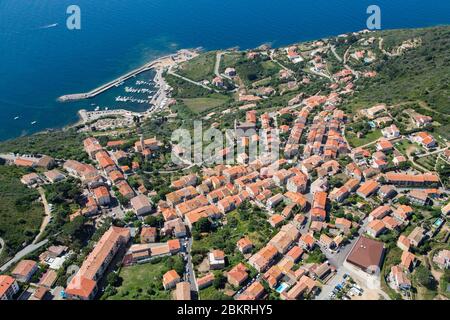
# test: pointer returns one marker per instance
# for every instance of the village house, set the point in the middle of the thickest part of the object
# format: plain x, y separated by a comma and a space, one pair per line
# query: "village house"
24, 270
8, 287
367, 189
417, 236
403, 213
387, 192
398, 279
205, 281
141, 205
102, 196
274, 201
391, 223
297, 183
244, 245
421, 120
170, 279
183, 291
264, 258
237, 275
343, 224
254, 292
391, 132
46, 162
425, 139
189, 180
148, 234
54, 175
418, 197
375, 228
384, 145
181, 195
125, 190
442, 259
446, 209
216, 260
276, 220
284, 238
403, 243
307, 241
379, 213
92, 146
30, 179
327, 242
408, 261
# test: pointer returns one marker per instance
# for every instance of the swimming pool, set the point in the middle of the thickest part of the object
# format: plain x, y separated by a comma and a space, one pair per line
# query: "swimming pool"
283, 286
438, 222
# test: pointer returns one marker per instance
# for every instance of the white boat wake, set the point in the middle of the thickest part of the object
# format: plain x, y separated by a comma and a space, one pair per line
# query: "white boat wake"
49, 26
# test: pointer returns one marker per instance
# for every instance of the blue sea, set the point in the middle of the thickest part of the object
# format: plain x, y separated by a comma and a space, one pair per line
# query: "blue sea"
41, 59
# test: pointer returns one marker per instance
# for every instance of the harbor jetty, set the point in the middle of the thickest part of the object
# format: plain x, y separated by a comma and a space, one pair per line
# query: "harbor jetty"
107, 86
164, 62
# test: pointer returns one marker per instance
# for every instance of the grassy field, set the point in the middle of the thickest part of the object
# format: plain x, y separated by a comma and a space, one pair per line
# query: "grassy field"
199, 105
199, 68
428, 162
368, 138
251, 71
406, 147
143, 282
229, 60
20, 214
211, 293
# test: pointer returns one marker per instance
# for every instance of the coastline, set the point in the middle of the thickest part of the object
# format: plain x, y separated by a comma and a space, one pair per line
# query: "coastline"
158, 101
157, 65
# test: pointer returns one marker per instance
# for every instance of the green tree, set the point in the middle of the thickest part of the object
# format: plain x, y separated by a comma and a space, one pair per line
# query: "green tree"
424, 277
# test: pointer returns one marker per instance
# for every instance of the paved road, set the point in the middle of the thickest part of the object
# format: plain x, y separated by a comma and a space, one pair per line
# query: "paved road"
27, 250
192, 81
191, 273
337, 260
333, 49
217, 65
328, 288
2, 245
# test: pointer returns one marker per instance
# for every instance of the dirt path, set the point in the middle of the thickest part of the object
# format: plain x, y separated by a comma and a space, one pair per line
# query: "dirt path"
47, 217
217, 65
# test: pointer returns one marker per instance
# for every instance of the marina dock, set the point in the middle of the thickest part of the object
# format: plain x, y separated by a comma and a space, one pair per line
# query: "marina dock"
107, 86
163, 62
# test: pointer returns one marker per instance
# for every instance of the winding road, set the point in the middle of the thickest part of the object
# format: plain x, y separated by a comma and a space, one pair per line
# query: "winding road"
24, 252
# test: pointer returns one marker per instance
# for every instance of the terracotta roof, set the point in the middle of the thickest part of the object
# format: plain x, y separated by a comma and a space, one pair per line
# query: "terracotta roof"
367, 253
24, 268
5, 283
170, 276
